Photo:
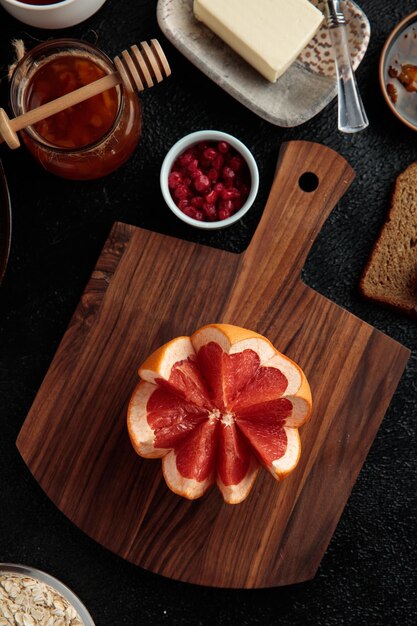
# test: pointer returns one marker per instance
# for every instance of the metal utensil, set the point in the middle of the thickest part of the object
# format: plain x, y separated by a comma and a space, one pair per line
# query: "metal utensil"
5, 223
351, 113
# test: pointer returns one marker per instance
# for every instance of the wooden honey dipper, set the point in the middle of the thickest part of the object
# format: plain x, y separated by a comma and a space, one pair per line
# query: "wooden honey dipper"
136, 70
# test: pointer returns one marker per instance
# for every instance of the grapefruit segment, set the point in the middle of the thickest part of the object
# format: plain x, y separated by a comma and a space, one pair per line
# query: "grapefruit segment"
175, 365
141, 434
285, 464
276, 446
217, 405
226, 375
301, 409
275, 411
290, 370
158, 420
232, 339
267, 384
172, 418
236, 465
290, 411
189, 469
160, 363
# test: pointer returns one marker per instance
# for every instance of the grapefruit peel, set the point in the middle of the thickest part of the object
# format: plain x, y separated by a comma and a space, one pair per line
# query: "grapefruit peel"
217, 405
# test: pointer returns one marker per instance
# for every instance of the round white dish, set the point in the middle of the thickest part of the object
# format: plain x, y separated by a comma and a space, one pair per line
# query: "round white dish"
182, 145
59, 15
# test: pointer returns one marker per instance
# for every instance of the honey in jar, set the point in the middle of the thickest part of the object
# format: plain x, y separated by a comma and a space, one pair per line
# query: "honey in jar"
89, 139
79, 125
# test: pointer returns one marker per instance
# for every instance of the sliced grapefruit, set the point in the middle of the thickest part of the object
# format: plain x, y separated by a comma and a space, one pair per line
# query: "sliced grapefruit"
217, 405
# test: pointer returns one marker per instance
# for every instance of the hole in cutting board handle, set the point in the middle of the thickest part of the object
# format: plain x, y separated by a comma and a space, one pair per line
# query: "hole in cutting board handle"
308, 182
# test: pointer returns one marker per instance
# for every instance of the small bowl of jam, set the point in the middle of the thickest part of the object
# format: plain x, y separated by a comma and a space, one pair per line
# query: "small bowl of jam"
209, 179
52, 13
398, 71
85, 141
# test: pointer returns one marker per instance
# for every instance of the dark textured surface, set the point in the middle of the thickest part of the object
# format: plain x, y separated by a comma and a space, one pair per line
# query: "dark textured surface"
368, 576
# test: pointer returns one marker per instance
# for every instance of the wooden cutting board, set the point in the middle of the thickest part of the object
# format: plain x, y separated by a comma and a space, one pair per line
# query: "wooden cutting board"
147, 288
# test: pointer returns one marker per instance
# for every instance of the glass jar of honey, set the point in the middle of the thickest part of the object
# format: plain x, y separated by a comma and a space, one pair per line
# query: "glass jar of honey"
85, 141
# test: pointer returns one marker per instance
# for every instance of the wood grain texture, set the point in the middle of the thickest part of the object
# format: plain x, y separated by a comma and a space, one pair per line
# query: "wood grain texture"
148, 288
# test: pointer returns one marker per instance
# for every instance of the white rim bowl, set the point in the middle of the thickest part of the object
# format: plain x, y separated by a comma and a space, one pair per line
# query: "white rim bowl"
38, 7
180, 147
58, 15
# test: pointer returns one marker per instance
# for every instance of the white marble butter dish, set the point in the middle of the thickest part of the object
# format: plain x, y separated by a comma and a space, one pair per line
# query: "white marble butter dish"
301, 92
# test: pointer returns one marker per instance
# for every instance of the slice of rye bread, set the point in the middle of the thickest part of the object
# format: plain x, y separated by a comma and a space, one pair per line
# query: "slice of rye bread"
390, 277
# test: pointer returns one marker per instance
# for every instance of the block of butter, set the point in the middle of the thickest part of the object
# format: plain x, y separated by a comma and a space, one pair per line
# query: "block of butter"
268, 34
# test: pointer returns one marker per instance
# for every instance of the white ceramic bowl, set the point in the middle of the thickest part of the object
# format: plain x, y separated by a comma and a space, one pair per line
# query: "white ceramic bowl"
58, 15
190, 140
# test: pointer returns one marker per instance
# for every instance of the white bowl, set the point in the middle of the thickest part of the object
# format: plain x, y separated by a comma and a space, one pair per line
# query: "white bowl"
58, 15
190, 140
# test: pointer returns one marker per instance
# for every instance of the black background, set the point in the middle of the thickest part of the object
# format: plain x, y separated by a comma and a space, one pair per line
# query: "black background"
368, 575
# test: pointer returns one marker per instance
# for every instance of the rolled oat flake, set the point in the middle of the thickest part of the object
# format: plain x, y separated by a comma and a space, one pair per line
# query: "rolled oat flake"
26, 601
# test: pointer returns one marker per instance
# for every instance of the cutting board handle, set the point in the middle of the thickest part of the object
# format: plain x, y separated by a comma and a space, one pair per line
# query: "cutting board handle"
309, 181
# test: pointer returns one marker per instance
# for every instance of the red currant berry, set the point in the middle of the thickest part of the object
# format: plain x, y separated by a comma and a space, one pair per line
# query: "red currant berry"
213, 174
181, 192
199, 215
212, 196
210, 211
174, 179
230, 194
209, 154
224, 214
236, 163
228, 174
226, 205
202, 183
189, 210
192, 166
218, 162
223, 147
197, 202
186, 158
196, 173
182, 204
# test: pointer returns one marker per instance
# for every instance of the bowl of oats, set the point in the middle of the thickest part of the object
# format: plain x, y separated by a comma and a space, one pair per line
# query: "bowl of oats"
30, 597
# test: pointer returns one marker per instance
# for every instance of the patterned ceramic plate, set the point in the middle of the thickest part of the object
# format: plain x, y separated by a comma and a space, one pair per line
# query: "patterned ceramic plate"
302, 92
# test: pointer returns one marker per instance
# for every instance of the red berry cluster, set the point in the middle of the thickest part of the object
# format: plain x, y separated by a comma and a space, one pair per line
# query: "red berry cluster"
209, 181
